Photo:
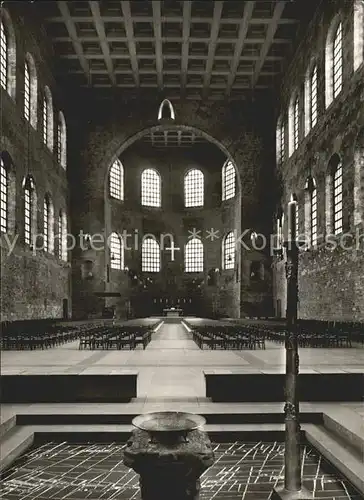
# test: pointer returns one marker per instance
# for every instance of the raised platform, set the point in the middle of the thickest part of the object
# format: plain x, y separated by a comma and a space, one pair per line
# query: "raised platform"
170, 375
260, 387
63, 388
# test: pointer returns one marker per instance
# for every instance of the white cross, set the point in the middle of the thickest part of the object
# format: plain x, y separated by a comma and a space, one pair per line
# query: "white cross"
172, 248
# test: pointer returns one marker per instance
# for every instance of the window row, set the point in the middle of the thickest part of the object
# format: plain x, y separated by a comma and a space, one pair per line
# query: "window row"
151, 254
54, 227
151, 185
30, 91
333, 206
304, 108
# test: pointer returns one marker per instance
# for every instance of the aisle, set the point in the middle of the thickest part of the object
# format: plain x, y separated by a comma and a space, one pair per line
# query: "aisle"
177, 381
172, 336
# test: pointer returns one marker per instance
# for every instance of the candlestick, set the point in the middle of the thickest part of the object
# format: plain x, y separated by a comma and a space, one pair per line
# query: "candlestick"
292, 216
292, 489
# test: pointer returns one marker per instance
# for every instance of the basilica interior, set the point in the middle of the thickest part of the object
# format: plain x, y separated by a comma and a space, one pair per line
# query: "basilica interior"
182, 237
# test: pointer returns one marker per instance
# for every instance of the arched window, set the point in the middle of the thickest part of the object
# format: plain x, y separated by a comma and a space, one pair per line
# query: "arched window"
280, 141
337, 58
62, 236
194, 256
313, 97
166, 110
336, 173
294, 198
61, 140
311, 211
116, 251
194, 188
334, 62
151, 188
359, 178
151, 258
294, 123
48, 118
228, 181
116, 180
48, 236
228, 251
4, 193
26, 91
30, 210
358, 33
279, 223
4, 57
7, 54
30, 91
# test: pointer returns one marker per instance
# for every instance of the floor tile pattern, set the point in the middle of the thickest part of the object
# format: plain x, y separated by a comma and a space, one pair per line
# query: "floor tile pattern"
244, 471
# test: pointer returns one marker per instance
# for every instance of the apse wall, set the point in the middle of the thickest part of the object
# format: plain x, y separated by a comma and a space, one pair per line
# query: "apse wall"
34, 283
212, 292
107, 125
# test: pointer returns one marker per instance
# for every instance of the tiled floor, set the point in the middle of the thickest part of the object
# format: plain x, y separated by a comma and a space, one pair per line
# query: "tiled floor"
244, 471
172, 365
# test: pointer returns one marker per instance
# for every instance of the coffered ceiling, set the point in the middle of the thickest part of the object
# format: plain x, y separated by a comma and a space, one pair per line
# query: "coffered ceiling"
193, 49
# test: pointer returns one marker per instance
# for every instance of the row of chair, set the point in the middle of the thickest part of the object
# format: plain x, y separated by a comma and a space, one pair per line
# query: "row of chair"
218, 336
307, 338
38, 335
313, 334
116, 337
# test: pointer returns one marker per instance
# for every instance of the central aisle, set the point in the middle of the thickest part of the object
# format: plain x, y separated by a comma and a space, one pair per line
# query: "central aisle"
172, 336
171, 382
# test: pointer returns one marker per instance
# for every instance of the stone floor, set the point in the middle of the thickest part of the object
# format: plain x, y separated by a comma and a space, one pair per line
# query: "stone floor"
170, 378
242, 470
172, 365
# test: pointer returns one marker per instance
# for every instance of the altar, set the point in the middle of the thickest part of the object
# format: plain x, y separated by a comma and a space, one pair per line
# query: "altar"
172, 312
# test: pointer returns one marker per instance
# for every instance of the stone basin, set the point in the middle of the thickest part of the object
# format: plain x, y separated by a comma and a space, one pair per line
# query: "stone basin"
169, 421
170, 451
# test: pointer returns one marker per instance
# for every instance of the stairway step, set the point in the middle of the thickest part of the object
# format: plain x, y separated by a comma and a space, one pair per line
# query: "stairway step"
14, 443
346, 459
119, 418
347, 425
96, 428
120, 433
7, 424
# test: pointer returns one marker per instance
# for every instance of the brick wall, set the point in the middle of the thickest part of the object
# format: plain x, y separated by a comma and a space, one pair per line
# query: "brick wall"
32, 286
110, 130
331, 282
172, 283
98, 130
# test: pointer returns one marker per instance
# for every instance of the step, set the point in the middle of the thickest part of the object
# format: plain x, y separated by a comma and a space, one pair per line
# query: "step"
127, 428
14, 444
348, 425
126, 418
344, 458
121, 433
7, 423
23, 437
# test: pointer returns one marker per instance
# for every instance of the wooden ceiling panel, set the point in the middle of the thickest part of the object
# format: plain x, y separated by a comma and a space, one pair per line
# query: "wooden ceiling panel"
213, 46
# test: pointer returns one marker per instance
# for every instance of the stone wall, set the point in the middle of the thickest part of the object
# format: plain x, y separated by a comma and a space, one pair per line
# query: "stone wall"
99, 129
331, 282
112, 127
213, 296
33, 284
